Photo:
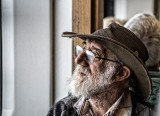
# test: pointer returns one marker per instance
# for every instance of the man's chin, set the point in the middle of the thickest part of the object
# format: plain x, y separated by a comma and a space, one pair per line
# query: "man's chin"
78, 89
89, 91
83, 95
84, 92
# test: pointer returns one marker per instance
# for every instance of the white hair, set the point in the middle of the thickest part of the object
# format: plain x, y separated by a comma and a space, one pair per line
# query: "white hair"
108, 20
147, 28
88, 85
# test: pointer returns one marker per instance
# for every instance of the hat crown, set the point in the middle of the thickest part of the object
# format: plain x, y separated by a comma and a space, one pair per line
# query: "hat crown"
125, 37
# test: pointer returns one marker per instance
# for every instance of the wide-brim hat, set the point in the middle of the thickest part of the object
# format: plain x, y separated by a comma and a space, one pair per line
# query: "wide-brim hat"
128, 48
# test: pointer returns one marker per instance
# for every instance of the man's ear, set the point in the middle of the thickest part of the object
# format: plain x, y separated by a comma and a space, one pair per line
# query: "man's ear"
123, 73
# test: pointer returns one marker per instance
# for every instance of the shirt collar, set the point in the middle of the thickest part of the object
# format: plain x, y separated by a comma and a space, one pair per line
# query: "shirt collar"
82, 106
122, 106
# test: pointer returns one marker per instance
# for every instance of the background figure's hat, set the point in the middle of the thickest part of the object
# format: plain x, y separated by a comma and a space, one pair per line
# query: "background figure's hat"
129, 49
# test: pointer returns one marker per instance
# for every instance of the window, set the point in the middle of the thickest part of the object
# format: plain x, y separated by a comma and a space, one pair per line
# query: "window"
88, 19
0, 62
108, 8
157, 9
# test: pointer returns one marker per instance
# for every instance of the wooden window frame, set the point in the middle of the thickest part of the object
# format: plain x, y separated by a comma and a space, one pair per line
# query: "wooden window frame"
157, 9
0, 59
87, 17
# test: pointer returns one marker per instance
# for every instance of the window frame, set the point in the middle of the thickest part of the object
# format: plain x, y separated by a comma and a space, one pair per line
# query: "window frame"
0, 59
87, 17
157, 9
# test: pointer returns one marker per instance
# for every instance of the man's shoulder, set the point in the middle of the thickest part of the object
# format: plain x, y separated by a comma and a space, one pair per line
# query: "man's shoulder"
64, 105
141, 107
69, 100
144, 109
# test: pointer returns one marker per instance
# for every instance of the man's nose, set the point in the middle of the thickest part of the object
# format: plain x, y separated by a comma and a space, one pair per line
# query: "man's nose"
81, 59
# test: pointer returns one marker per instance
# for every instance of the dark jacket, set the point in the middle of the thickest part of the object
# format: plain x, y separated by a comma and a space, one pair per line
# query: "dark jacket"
64, 107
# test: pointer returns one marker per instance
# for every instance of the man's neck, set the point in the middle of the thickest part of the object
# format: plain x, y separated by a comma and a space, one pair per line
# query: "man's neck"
102, 102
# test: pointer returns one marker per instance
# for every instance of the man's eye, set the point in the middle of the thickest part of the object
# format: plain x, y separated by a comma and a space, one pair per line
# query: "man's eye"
96, 54
96, 59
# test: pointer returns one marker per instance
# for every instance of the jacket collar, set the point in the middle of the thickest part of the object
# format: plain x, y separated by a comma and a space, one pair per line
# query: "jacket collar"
122, 105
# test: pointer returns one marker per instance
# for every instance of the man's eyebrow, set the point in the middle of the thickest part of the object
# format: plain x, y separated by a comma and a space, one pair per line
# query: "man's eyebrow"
97, 49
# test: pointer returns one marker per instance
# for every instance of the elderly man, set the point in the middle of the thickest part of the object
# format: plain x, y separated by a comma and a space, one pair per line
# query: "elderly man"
147, 28
110, 78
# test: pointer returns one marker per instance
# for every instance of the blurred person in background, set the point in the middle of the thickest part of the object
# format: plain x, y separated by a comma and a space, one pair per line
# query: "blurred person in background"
147, 28
108, 20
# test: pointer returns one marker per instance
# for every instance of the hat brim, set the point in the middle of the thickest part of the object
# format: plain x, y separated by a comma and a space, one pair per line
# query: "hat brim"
128, 57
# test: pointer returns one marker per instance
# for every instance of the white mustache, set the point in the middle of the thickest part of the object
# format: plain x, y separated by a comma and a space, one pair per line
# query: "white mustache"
84, 70
88, 85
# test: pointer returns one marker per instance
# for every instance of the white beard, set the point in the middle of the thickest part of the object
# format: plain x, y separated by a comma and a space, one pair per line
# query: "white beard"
88, 85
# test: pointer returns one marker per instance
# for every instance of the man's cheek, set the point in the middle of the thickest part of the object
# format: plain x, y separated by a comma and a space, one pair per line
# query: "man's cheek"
94, 69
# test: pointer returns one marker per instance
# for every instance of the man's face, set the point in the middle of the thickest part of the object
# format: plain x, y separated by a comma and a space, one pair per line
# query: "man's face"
90, 79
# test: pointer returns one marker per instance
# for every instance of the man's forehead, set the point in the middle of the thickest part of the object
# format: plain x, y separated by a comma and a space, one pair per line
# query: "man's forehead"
98, 45
93, 43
